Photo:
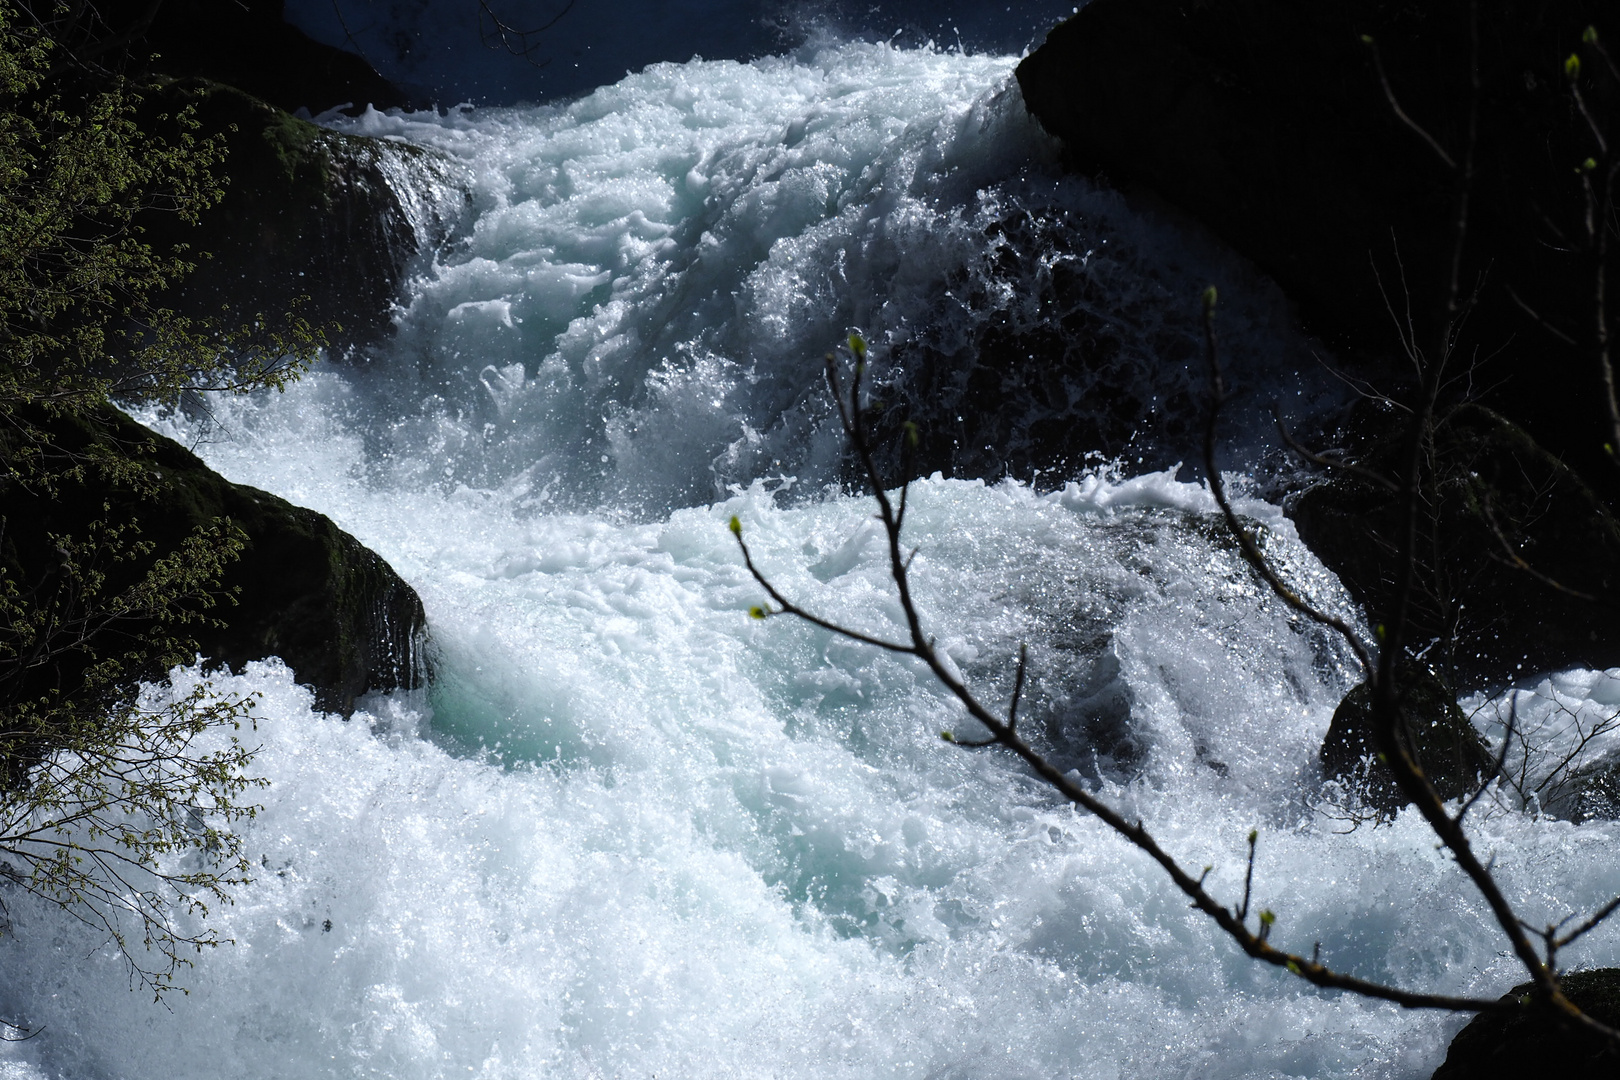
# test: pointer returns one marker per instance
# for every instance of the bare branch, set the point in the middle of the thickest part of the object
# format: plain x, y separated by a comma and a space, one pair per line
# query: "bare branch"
1246, 545
494, 30
1002, 732
1589, 925
1400, 113
1359, 472
1511, 556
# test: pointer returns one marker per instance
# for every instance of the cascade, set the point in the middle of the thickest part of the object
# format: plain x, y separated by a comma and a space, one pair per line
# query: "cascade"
630, 832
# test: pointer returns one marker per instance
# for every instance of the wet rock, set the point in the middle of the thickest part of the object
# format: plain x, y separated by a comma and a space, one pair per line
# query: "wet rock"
1540, 1043
310, 593
1434, 730
1491, 488
328, 223
1267, 121
1063, 343
1588, 794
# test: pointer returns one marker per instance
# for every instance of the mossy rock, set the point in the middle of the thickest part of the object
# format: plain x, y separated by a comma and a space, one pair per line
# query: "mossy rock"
1490, 485
305, 590
1539, 1042
329, 223
1434, 730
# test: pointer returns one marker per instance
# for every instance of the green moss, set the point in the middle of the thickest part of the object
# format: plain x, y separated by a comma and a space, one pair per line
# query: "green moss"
304, 589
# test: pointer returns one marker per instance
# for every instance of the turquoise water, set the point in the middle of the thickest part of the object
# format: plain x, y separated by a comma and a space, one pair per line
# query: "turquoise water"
631, 832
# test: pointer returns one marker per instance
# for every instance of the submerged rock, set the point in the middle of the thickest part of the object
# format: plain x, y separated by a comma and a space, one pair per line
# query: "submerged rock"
1588, 794
1541, 1043
331, 224
1492, 488
310, 593
1435, 731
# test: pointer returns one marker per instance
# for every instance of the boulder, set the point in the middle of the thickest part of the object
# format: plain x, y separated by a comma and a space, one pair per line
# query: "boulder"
1433, 728
327, 222
1267, 121
1490, 489
248, 44
1589, 793
1539, 1042
306, 591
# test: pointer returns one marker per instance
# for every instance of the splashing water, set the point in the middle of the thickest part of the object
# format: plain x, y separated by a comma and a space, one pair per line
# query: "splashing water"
631, 832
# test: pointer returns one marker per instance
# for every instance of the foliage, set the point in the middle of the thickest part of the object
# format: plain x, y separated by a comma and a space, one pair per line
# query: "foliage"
81, 169
114, 806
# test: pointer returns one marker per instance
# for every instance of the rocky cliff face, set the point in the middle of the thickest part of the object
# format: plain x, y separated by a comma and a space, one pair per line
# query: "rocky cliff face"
1352, 151
1269, 122
248, 44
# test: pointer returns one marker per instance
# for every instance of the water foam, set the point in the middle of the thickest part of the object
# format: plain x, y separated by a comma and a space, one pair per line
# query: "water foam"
633, 832
651, 274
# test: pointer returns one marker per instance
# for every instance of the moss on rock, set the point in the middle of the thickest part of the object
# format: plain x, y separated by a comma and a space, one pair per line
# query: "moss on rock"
308, 213
304, 589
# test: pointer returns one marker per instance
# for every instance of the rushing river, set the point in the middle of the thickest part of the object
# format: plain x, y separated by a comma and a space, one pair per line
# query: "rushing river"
632, 833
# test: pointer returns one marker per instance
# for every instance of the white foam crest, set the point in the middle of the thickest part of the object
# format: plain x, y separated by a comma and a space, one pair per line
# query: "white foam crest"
652, 273
634, 832
707, 846
1562, 733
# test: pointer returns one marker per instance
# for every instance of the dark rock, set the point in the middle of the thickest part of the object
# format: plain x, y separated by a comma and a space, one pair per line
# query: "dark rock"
308, 591
307, 212
1024, 371
1538, 1042
1433, 729
249, 45
1068, 339
1589, 793
1489, 488
1266, 120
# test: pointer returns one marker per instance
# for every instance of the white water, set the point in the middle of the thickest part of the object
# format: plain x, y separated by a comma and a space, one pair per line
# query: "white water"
633, 833
441, 49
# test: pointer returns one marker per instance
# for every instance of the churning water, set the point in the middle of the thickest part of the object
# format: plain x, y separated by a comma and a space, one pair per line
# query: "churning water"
632, 833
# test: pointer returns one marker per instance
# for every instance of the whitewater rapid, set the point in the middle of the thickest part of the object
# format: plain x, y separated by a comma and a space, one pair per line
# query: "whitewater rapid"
631, 832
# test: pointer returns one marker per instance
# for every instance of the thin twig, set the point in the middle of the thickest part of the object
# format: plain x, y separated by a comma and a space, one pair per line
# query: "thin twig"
1256, 945
1512, 558
1358, 471
1400, 113
1590, 924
